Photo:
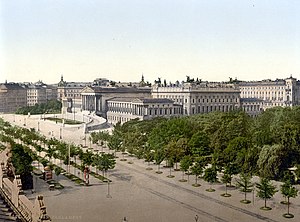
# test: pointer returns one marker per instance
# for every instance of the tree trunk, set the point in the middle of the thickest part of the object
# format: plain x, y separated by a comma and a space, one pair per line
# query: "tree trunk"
265, 202
288, 205
226, 188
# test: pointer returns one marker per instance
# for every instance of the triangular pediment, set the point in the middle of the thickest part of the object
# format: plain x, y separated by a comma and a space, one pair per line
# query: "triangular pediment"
137, 100
87, 89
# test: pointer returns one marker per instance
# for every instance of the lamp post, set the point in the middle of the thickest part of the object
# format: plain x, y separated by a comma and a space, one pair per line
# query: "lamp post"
74, 106
60, 133
69, 159
38, 129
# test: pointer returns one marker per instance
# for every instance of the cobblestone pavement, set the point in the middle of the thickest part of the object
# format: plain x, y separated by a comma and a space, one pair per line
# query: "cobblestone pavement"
141, 195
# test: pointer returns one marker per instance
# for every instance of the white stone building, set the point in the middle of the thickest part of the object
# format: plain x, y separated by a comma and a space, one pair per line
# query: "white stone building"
125, 109
271, 93
200, 97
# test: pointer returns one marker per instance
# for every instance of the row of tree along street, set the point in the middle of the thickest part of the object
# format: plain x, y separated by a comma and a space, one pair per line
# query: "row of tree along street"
30, 144
229, 143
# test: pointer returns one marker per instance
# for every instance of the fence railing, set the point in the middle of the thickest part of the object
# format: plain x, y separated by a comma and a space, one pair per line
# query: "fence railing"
11, 192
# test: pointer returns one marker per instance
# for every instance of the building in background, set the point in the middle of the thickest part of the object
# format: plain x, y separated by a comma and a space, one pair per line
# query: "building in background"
12, 97
39, 92
125, 109
199, 97
94, 98
70, 90
269, 93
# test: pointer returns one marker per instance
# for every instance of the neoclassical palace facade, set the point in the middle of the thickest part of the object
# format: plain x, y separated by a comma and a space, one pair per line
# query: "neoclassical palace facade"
125, 109
188, 98
94, 98
257, 96
198, 97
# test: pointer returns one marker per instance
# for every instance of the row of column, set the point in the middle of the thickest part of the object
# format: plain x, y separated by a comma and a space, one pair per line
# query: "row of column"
89, 102
133, 109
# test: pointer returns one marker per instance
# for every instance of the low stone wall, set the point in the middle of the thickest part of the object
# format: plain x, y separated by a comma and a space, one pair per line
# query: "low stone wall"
11, 191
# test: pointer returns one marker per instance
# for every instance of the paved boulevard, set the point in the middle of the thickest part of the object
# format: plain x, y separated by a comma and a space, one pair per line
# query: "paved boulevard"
142, 196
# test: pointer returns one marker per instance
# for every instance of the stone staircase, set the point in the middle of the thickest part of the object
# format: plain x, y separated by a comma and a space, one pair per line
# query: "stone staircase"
6, 214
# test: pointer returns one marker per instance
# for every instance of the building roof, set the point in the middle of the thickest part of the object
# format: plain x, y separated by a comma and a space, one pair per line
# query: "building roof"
156, 100
99, 89
140, 100
11, 86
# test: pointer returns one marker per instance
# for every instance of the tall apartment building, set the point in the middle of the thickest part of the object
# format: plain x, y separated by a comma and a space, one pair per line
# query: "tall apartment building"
199, 97
269, 93
12, 96
39, 92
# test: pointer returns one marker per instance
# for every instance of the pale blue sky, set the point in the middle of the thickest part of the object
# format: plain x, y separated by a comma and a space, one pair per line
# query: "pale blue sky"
121, 39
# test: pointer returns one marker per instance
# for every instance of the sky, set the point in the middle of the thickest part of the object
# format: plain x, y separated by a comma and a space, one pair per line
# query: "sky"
122, 40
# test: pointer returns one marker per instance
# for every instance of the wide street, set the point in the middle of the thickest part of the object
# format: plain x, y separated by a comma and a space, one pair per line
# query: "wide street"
141, 195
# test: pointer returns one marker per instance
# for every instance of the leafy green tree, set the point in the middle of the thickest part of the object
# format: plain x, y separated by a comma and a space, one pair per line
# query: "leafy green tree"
22, 160
210, 176
226, 179
185, 164
199, 144
270, 163
149, 157
266, 190
115, 140
57, 171
244, 184
288, 191
159, 156
197, 169
230, 169
106, 162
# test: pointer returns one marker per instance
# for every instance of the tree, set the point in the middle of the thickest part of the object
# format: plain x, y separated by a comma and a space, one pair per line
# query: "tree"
199, 144
230, 169
210, 176
21, 161
197, 169
57, 171
159, 156
226, 179
270, 162
288, 191
244, 184
266, 190
185, 165
105, 162
148, 155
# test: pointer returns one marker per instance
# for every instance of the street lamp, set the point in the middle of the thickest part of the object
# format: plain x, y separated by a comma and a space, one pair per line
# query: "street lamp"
69, 160
60, 133
74, 105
